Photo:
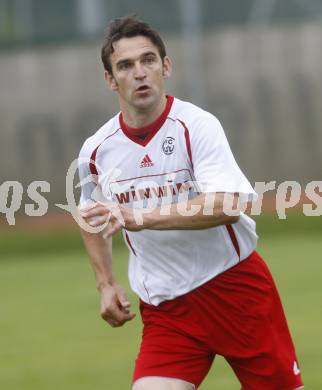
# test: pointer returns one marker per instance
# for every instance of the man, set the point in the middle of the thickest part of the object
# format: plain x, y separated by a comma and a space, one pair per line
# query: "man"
164, 174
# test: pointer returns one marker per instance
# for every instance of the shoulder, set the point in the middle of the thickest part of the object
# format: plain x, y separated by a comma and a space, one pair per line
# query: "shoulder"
198, 122
108, 129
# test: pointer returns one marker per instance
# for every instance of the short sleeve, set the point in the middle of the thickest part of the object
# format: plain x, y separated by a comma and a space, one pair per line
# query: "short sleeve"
215, 168
87, 182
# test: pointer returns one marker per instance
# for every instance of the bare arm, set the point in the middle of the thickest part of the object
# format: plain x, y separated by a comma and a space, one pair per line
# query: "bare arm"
202, 212
100, 252
114, 303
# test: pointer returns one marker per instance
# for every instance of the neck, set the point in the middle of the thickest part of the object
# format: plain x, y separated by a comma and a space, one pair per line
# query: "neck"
134, 117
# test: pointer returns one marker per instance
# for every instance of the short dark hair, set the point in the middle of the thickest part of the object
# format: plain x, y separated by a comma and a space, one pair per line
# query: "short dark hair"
128, 27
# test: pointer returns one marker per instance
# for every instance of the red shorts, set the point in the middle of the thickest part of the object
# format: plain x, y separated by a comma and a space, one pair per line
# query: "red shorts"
238, 314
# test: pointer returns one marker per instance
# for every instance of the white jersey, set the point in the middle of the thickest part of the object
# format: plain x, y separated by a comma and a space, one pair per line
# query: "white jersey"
184, 145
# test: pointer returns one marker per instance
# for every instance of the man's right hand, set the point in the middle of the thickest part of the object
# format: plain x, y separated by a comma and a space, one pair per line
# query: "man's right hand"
115, 307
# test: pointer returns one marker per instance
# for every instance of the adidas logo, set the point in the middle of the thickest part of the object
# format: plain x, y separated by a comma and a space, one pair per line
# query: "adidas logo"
146, 162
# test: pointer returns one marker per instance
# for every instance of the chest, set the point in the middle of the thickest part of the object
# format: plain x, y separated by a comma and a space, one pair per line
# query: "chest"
157, 172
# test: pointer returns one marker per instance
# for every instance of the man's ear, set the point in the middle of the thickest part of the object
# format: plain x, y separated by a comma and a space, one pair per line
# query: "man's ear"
110, 81
167, 67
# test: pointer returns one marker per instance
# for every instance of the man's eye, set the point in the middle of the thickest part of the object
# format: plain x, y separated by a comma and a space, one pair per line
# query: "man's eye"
124, 66
148, 60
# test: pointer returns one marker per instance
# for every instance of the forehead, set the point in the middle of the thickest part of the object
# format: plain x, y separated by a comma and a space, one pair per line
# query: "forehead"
127, 48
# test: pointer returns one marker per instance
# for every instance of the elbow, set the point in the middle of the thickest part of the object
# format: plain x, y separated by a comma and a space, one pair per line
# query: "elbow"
224, 219
234, 219
231, 219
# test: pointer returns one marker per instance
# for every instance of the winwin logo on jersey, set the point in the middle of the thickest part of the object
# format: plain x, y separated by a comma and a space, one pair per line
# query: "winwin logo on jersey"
153, 190
146, 162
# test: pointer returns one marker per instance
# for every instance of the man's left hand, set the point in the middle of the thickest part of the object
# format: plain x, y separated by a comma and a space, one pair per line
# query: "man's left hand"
114, 216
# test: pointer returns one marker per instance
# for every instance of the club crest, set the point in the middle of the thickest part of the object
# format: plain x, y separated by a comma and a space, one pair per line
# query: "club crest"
168, 145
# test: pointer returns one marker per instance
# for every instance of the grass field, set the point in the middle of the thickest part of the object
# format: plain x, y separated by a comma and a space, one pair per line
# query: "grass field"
53, 338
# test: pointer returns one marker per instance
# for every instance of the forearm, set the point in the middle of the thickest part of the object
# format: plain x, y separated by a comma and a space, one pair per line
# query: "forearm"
100, 253
201, 212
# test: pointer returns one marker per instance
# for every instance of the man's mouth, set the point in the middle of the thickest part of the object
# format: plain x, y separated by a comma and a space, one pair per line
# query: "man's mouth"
142, 88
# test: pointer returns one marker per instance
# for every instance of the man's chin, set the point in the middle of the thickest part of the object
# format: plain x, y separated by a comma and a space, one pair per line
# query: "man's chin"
144, 101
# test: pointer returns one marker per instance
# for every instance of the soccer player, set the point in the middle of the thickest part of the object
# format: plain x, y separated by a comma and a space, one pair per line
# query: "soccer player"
162, 171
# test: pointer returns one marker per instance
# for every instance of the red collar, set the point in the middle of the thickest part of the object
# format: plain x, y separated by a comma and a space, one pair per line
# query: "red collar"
133, 133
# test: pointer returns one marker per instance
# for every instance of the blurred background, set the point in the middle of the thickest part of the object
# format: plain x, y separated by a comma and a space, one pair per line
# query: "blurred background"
255, 64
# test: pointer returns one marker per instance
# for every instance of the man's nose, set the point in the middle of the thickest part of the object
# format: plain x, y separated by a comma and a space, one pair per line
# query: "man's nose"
139, 71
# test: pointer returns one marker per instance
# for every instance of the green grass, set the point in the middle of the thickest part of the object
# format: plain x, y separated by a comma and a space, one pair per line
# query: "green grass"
53, 338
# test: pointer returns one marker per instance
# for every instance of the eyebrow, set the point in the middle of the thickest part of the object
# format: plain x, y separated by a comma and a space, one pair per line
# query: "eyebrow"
148, 53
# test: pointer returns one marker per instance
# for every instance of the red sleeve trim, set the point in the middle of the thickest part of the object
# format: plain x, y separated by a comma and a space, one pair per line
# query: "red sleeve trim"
92, 162
129, 243
233, 238
187, 138
92, 165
